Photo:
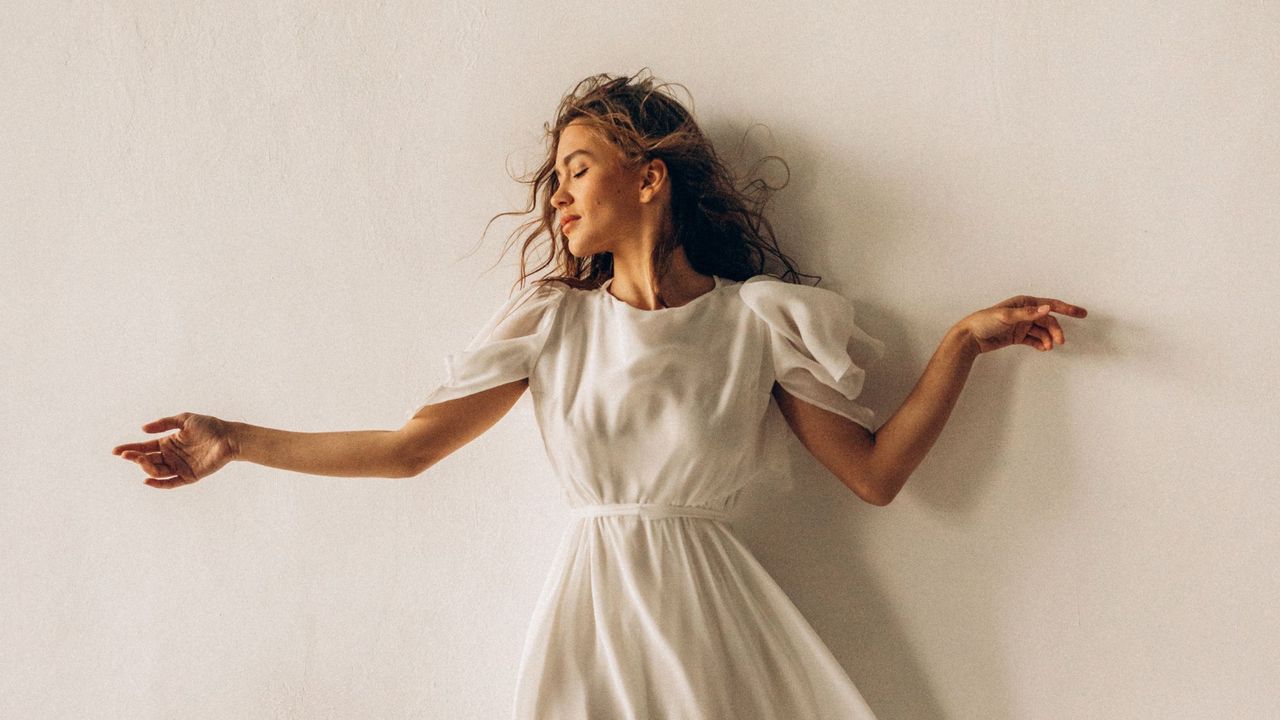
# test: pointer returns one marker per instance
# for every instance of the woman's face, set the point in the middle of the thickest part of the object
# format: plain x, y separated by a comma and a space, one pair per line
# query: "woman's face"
594, 187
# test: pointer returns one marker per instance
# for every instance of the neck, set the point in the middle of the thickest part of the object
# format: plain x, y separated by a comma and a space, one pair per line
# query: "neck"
678, 285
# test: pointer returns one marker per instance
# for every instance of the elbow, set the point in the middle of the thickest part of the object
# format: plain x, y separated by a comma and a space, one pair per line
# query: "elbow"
412, 469
883, 481
421, 464
868, 491
870, 480
879, 500
415, 460
879, 491
890, 488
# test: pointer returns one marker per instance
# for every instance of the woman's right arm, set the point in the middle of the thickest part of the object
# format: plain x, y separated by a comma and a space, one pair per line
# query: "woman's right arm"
204, 443
347, 453
434, 433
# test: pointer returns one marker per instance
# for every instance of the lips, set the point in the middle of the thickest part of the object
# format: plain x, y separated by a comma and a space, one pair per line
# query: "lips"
567, 219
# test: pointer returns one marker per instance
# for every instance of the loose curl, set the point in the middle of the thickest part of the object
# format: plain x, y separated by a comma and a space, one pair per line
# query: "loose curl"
723, 229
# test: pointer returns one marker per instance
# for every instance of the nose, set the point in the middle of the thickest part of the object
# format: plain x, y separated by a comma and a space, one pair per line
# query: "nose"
559, 198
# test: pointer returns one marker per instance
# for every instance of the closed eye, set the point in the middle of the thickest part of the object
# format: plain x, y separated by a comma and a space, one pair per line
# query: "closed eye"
579, 174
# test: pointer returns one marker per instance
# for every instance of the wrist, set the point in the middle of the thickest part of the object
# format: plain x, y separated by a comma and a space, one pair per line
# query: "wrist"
236, 437
962, 341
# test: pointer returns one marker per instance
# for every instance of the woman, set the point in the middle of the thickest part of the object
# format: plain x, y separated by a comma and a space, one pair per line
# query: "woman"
652, 358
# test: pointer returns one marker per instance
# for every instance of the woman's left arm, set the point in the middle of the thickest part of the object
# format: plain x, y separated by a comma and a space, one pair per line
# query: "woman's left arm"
876, 465
903, 441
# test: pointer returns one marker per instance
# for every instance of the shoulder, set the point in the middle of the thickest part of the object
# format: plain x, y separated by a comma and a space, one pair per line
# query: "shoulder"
531, 308
539, 296
775, 300
812, 320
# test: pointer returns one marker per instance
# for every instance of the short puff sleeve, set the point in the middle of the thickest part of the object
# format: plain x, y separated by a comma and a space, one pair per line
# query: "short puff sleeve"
505, 349
819, 353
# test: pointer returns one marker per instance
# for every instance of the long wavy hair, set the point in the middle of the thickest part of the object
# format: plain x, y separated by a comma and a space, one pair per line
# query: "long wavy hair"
722, 227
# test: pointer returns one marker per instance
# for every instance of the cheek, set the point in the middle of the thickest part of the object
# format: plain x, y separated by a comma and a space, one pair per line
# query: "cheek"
606, 197
599, 198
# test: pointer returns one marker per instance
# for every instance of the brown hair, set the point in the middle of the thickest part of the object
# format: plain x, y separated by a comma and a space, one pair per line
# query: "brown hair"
723, 229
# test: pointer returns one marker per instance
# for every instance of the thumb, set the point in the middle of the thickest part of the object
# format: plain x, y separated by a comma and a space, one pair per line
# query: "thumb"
173, 422
1033, 311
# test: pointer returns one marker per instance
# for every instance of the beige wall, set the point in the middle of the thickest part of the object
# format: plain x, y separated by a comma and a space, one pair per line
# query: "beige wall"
271, 212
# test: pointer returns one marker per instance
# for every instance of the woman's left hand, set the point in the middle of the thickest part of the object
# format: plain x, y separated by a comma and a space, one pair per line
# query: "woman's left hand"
1020, 320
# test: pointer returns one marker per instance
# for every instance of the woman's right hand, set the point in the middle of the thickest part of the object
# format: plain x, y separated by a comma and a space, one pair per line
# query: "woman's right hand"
202, 445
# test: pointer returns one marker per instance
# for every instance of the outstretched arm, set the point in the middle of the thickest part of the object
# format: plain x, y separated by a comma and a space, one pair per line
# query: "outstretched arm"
876, 465
428, 437
904, 439
342, 453
203, 443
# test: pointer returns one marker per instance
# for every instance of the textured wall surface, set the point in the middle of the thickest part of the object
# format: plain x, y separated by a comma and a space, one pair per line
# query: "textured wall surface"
273, 212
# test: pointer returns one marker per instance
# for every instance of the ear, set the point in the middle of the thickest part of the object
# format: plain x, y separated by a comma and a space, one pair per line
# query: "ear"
653, 180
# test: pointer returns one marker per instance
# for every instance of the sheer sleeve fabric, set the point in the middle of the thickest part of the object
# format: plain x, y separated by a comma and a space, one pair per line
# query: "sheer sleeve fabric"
819, 353
506, 347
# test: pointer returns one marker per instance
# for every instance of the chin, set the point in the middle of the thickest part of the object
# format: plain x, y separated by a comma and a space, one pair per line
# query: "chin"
580, 249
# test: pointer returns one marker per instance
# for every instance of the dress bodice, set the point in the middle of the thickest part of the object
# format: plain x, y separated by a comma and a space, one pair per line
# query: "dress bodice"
670, 406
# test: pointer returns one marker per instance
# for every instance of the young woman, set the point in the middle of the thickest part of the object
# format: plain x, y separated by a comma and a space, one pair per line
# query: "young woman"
656, 358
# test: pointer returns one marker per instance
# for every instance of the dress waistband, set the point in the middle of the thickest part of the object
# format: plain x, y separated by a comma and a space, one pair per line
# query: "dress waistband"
649, 510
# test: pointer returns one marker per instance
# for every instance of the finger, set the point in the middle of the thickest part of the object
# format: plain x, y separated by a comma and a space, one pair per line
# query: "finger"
153, 465
1020, 319
1055, 329
148, 446
1058, 306
162, 467
1042, 336
1025, 314
1031, 314
173, 422
166, 483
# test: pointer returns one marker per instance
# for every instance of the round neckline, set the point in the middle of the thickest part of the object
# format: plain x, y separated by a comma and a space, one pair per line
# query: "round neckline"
604, 289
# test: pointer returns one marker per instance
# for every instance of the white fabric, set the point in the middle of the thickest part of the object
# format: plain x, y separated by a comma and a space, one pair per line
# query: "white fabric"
654, 420
504, 350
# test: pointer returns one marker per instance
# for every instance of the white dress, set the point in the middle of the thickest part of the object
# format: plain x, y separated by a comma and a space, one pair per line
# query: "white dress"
653, 421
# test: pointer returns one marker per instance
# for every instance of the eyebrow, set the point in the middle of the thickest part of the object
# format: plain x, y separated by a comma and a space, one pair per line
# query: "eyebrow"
567, 158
